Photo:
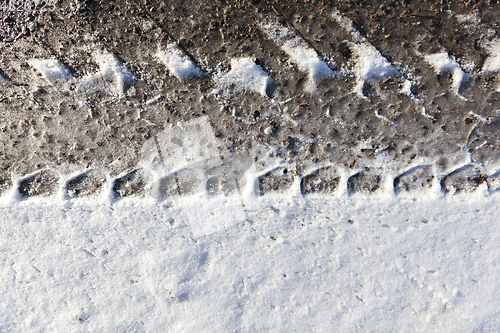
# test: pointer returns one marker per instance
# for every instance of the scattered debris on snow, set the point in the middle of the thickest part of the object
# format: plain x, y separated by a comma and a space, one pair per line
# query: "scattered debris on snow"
443, 63
246, 74
178, 63
300, 52
51, 69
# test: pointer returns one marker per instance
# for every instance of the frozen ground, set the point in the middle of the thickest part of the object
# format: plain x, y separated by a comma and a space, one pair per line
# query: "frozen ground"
291, 265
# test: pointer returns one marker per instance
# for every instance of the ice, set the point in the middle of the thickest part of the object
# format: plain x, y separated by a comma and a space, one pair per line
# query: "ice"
246, 74
111, 78
51, 69
443, 63
178, 63
300, 52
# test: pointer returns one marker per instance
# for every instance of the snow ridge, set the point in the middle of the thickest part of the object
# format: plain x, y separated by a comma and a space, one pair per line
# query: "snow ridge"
443, 63
371, 66
51, 69
178, 63
300, 52
246, 74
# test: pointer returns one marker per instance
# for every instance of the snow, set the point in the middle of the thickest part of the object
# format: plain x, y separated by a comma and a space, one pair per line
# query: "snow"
300, 52
178, 63
294, 264
443, 63
51, 69
246, 74
111, 78
371, 66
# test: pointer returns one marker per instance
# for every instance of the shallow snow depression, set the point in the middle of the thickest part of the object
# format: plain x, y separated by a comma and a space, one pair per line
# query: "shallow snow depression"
293, 264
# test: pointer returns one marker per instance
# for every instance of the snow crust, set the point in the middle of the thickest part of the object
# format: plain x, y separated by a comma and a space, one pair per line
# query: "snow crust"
51, 69
300, 52
178, 63
246, 74
443, 63
321, 264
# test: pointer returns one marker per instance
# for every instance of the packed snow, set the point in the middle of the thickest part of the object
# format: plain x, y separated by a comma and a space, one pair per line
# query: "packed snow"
246, 74
300, 52
178, 63
443, 63
51, 69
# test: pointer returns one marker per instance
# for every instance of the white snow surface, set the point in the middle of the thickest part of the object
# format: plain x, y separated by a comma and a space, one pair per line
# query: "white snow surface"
443, 63
178, 63
300, 52
51, 69
311, 264
246, 74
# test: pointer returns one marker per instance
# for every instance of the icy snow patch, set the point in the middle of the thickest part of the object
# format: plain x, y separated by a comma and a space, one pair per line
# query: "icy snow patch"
111, 77
300, 52
492, 63
178, 63
443, 63
245, 73
371, 65
51, 69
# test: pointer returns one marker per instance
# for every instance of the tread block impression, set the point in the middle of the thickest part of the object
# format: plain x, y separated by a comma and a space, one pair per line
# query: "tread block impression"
5, 183
465, 179
165, 188
415, 179
132, 183
324, 180
278, 180
86, 184
43, 183
184, 182
365, 181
